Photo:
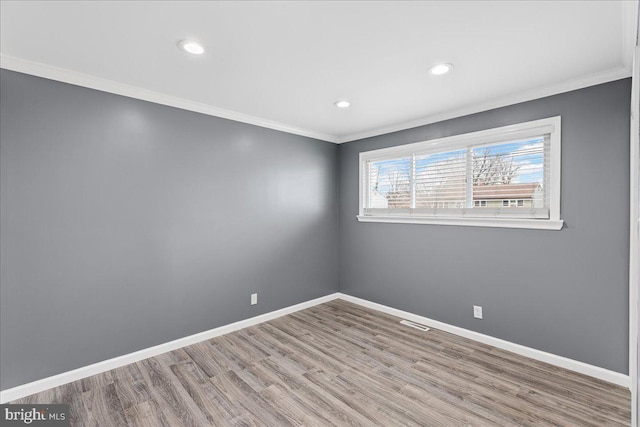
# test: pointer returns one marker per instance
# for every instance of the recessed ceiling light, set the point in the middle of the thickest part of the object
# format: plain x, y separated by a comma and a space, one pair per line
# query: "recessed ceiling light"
191, 47
440, 69
343, 103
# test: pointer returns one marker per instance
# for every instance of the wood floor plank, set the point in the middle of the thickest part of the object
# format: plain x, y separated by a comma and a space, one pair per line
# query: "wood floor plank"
340, 364
240, 392
334, 407
104, 407
356, 400
130, 385
166, 390
188, 376
305, 399
279, 397
141, 415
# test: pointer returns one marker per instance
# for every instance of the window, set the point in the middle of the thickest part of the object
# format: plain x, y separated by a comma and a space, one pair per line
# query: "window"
504, 177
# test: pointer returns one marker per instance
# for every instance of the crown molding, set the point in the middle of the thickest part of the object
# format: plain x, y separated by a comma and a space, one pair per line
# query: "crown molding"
85, 80
529, 95
92, 82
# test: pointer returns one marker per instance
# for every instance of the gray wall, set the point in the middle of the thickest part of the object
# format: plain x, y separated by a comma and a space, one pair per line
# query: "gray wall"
565, 292
127, 224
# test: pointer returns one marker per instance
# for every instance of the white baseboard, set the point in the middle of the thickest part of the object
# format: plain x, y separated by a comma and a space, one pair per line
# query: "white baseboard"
106, 365
563, 362
97, 368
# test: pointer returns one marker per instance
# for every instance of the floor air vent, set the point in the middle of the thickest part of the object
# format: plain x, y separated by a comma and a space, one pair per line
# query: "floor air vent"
414, 325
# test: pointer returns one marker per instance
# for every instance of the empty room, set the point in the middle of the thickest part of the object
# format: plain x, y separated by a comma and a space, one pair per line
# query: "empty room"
319, 213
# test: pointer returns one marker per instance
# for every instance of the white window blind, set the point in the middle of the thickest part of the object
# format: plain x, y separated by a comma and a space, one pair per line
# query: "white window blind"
505, 173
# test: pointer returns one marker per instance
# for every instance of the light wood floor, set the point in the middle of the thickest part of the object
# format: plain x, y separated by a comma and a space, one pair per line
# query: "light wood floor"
340, 364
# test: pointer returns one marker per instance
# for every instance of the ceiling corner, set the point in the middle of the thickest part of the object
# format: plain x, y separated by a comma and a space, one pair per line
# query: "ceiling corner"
631, 30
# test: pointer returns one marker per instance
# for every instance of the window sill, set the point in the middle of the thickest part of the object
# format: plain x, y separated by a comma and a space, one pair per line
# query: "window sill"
538, 224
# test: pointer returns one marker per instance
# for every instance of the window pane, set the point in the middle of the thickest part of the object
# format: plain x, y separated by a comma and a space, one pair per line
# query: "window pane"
504, 172
389, 184
441, 180
490, 176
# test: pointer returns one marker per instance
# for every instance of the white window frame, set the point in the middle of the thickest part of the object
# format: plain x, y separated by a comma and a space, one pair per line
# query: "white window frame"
550, 126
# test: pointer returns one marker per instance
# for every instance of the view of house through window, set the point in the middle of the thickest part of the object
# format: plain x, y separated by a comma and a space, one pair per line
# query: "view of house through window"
504, 175
509, 177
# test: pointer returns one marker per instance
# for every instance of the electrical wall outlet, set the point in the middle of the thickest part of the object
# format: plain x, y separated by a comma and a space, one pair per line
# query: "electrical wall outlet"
477, 311
254, 299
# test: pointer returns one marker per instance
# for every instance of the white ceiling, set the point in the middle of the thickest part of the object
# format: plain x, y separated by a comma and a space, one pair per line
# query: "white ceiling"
283, 64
